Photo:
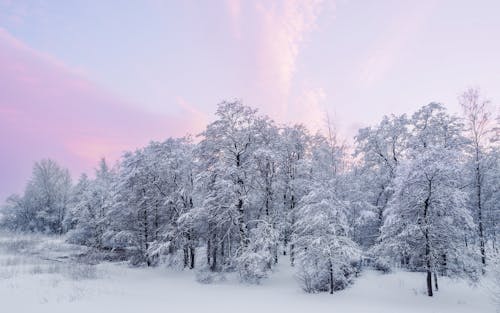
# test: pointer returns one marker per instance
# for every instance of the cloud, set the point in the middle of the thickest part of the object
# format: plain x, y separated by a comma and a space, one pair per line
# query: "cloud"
49, 110
276, 31
285, 25
310, 109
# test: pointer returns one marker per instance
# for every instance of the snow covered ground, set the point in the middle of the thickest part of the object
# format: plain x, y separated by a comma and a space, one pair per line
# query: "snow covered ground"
38, 275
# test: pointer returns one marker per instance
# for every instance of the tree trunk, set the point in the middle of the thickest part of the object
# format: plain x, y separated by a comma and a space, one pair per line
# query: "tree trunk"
241, 224
213, 266
146, 238
209, 246
222, 254
292, 246
330, 269
479, 211
214, 258
444, 271
481, 241
427, 243
436, 282
191, 257
156, 223
429, 283
186, 256
275, 254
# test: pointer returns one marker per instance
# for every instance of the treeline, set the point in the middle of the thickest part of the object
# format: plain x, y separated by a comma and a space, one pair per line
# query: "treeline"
419, 191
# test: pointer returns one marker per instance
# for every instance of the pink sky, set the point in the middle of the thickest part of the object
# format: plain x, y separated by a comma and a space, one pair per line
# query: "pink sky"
47, 110
80, 80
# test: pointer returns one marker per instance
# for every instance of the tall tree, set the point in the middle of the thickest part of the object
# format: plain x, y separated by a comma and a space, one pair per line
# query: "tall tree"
427, 218
322, 233
477, 118
294, 170
227, 153
380, 149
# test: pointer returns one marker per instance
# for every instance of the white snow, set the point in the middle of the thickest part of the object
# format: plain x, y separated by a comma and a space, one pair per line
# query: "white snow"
30, 284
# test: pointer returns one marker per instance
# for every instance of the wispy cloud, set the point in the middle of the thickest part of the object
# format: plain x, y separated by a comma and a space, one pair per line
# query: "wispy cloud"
285, 26
280, 34
310, 109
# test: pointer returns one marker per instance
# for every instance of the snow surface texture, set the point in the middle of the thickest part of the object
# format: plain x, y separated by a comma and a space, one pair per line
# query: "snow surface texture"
41, 275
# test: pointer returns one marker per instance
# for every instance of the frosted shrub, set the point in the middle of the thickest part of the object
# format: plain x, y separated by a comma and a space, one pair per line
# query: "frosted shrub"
79, 236
174, 260
137, 259
206, 276
19, 244
54, 268
494, 277
320, 276
255, 262
311, 279
78, 271
324, 250
36, 269
11, 261
382, 265
253, 267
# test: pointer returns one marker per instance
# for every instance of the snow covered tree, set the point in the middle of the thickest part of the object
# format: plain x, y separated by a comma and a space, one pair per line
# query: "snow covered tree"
325, 250
226, 153
380, 150
294, 170
48, 193
17, 215
477, 118
45, 201
238, 178
427, 219
153, 190
77, 193
173, 186
491, 198
256, 260
266, 180
494, 277
250, 190
93, 200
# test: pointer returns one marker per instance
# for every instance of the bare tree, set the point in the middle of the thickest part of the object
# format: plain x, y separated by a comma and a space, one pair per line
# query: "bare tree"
477, 117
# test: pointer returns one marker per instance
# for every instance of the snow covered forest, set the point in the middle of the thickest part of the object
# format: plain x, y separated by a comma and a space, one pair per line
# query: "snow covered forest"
418, 192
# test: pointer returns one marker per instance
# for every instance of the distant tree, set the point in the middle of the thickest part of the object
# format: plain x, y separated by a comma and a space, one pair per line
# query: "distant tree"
17, 215
478, 121
92, 201
43, 206
153, 190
